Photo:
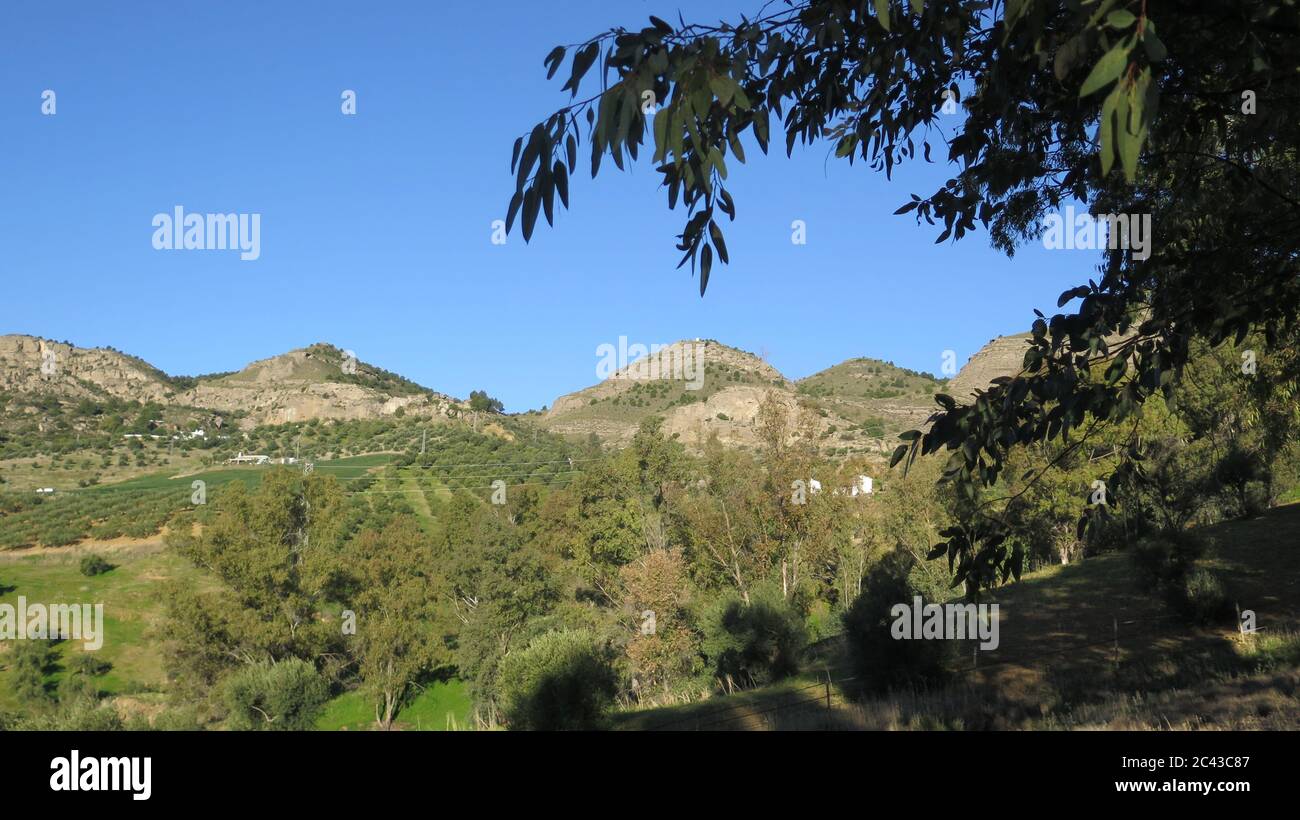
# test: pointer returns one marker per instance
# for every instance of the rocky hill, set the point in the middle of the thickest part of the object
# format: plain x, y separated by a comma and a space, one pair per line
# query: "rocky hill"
320, 381
858, 406
701, 388
880, 397
1003, 356
41, 366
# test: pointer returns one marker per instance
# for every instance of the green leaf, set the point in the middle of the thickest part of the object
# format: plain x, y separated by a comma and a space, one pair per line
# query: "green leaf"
899, 452
553, 61
561, 175
1120, 18
581, 63
882, 13
1067, 55
1109, 67
1156, 51
515, 202
1106, 134
723, 88
531, 204
706, 264
662, 118
715, 233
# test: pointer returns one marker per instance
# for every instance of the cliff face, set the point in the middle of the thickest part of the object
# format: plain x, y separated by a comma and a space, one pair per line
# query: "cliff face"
295, 400
32, 365
1003, 356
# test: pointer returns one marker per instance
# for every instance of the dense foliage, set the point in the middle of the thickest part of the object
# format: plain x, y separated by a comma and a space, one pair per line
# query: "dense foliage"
1183, 113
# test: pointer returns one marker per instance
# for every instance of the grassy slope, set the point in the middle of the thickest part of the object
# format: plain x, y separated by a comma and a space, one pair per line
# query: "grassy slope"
132, 609
1054, 666
442, 705
856, 389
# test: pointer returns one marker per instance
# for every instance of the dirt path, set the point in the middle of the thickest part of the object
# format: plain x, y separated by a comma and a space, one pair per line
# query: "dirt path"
114, 546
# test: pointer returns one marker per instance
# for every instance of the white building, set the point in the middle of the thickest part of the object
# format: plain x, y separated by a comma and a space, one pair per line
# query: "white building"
862, 486
251, 458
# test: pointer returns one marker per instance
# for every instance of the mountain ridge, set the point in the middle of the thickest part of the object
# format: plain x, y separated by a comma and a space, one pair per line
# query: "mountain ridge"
700, 387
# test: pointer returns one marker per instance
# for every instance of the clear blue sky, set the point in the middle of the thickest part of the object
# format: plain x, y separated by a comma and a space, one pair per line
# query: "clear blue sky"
376, 228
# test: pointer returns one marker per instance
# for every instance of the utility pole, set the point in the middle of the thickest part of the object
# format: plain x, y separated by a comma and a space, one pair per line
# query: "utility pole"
424, 437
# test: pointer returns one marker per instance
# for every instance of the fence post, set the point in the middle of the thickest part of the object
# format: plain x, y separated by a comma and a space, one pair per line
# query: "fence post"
1115, 621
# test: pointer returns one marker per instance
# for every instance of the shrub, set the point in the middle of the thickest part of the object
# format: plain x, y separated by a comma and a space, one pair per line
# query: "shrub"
29, 661
284, 696
755, 643
1167, 563
1200, 596
562, 680
1166, 558
92, 565
876, 660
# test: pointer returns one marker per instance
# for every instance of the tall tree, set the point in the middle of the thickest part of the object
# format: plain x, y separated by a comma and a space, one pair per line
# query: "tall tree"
1183, 111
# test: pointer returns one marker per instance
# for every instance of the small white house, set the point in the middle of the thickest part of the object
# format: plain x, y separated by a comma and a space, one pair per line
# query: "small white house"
45, 491
251, 458
814, 486
861, 487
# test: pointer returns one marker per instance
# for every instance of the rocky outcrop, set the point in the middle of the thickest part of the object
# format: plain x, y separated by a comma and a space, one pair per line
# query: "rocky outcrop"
297, 386
32, 365
1003, 356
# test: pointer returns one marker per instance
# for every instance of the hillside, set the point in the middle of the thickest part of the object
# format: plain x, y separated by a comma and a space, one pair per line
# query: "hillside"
316, 382
1003, 356
44, 367
880, 397
1057, 666
723, 400
57, 391
858, 406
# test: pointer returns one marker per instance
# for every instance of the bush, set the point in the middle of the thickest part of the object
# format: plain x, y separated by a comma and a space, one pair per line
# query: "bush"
1200, 597
29, 662
92, 565
562, 680
82, 716
1162, 560
284, 696
756, 643
1167, 563
877, 660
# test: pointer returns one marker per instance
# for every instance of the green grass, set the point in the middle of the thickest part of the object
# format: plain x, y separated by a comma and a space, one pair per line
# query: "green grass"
132, 608
428, 711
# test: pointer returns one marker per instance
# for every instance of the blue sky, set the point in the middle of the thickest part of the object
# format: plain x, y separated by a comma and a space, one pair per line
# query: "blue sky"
376, 228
